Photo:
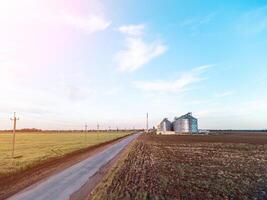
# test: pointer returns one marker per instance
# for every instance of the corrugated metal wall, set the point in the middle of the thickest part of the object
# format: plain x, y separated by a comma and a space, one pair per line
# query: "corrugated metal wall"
185, 125
193, 126
165, 125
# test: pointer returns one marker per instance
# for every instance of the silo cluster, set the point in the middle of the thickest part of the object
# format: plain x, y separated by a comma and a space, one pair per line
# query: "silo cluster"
183, 124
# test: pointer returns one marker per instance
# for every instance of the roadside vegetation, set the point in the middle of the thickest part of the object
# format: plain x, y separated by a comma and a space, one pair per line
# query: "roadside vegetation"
190, 167
33, 148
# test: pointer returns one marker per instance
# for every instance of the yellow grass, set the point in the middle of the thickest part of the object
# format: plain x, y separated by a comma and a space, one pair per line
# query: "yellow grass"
32, 148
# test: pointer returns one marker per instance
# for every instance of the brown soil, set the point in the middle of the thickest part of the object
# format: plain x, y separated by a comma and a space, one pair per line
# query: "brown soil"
192, 167
16, 182
249, 138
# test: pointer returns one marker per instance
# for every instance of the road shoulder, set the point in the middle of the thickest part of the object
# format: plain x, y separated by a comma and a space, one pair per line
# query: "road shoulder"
108, 172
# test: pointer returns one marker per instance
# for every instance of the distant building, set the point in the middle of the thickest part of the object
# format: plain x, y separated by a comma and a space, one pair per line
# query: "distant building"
184, 124
165, 125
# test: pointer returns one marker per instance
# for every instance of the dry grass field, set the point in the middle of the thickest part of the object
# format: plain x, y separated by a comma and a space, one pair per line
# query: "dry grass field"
190, 167
33, 148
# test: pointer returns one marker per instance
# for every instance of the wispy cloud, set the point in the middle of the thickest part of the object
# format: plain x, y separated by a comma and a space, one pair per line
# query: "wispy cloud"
258, 106
202, 68
11, 70
89, 24
132, 30
225, 93
253, 22
213, 99
194, 24
112, 91
197, 21
179, 85
77, 94
137, 52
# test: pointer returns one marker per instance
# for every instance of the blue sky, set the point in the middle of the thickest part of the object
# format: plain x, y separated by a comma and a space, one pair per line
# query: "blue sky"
67, 63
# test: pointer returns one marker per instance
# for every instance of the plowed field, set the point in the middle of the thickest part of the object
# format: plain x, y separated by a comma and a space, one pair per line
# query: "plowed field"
191, 167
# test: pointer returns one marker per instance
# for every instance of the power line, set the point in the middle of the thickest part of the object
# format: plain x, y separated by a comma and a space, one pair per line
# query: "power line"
14, 119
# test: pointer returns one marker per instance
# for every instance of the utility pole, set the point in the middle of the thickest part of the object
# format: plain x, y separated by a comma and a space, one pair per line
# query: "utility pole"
85, 131
85, 127
14, 119
97, 132
147, 122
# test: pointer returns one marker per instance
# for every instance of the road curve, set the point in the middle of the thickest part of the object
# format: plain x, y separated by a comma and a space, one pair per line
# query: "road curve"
62, 185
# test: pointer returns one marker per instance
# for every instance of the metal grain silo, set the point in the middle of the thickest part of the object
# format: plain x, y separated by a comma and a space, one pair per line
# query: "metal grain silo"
185, 124
165, 125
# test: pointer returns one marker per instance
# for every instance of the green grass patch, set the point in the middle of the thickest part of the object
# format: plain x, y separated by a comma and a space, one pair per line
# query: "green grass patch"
32, 148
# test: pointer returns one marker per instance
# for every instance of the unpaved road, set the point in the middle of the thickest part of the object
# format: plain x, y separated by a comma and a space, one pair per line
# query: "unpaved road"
62, 185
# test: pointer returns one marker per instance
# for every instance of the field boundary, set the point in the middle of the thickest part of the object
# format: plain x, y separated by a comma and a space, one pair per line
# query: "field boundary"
13, 183
109, 171
97, 179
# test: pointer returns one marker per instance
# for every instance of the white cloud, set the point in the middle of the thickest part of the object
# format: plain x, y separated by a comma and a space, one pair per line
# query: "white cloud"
202, 68
224, 94
194, 24
75, 93
253, 22
240, 109
37, 13
197, 21
167, 86
257, 105
90, 24
137, 52
178, 85
10, 71
112, 91
132, 30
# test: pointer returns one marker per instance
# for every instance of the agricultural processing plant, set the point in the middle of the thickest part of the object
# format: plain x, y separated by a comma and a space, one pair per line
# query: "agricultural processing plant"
133, 100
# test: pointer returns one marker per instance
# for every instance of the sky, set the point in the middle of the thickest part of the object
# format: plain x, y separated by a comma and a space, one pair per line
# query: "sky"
65, 63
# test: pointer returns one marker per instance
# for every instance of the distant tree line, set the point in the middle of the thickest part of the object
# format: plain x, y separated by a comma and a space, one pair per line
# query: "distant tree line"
24, 130
30, 130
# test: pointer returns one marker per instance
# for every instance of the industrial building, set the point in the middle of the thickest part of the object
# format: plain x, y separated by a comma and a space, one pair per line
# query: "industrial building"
165, 125
183, 124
